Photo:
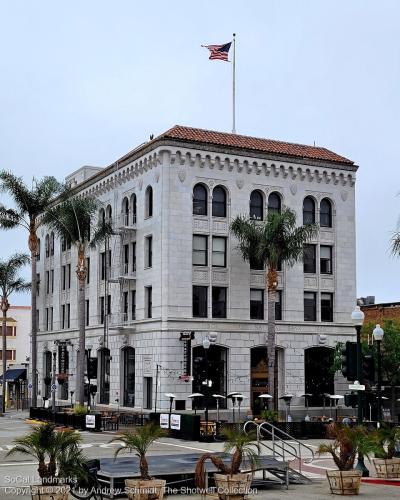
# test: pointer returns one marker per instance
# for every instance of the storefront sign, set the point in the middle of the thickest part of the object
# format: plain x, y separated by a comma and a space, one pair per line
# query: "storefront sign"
176, 422
187, 338
164, 421
62, 358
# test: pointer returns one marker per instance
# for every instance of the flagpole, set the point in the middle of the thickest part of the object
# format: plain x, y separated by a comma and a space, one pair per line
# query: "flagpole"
234, 86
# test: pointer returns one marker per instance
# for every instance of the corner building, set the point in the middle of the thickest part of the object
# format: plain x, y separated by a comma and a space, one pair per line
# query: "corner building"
173, 267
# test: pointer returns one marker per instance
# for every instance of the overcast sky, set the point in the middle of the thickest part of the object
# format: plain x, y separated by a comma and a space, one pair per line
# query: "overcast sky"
84, 82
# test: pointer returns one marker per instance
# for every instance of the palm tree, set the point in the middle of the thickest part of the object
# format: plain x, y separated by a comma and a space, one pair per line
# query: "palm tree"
10, 283
73, 219
57, 452
30, 203
139, 442
269, 243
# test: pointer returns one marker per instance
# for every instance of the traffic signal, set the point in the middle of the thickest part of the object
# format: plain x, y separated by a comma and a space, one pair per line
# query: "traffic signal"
368, 367
349, 361
350, 400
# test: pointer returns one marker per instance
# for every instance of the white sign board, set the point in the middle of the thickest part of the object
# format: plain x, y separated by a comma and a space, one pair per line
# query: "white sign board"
164, 421
90, 421
176, 422
357, 387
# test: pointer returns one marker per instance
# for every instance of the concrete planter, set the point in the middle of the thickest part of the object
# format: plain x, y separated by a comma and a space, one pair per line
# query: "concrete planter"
344, 482
388, 469
138, 489
233, 487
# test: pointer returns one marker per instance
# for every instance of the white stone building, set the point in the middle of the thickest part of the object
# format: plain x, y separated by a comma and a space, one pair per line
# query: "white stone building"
173, 267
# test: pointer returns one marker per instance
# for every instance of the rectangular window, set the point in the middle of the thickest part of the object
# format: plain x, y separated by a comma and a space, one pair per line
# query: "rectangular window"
51, 280
47, 282
10, 355
10, 331
38, 250
200, 302
63, 316
149, 301
108, 305
134, 257
125, 306
278, 304
218, 302
88, 270
68, 276
102, 266
133, 304
68, 314
37, 284
256, 304
218, 251
310, 306
149, 251
326, 307
325, 259
126, 259
37, 320
63, 244
101, 310
46, 313
63, 275
87, 312
200, 250
51, 318
309, 259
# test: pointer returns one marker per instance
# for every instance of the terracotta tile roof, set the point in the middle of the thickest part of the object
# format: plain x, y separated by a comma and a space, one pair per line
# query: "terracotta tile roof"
189, 134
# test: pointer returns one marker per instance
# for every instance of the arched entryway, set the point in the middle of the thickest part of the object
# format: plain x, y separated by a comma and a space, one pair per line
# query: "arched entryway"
318, 374
128, 376
104, 375
259, 376
217, 372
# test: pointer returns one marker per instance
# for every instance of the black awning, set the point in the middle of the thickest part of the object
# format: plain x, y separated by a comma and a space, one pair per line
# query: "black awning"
14, 374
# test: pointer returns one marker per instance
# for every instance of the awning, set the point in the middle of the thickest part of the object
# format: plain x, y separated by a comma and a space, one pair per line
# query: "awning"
14, 374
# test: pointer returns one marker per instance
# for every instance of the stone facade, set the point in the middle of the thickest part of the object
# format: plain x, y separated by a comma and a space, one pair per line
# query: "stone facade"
172, 168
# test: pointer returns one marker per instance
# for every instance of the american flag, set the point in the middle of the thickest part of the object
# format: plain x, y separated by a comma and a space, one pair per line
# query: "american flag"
219, 51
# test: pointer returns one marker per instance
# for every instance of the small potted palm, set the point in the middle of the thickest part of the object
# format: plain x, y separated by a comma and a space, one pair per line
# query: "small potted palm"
231, 483
386, 464
138, 442
347, 443
59, 457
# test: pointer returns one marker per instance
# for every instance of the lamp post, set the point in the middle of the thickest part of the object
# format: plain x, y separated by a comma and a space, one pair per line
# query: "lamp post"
171, 400
53, 379
88, 351
265, 398
211, 339
232, 395
378, 336
194, 397
357, 317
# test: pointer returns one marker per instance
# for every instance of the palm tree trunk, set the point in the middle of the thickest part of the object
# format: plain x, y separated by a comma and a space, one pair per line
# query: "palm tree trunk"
271, 284
4, 358
81, 273
34, 327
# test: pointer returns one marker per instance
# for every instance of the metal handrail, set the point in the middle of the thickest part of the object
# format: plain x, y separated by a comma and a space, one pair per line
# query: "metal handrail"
277, 441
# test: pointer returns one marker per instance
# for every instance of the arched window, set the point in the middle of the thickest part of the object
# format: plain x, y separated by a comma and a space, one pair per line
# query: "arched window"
325, 213
259, 377
125, 211
256, 206
149, 202
219, 202
109, 214
128, 382
217, 358
319, 377
52, 243
133, 208
47, 245
308, 211
199, 200
102, 217
274, 203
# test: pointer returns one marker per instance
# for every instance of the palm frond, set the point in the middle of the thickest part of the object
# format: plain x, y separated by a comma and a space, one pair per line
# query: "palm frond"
9, 218
139, 440
9, 280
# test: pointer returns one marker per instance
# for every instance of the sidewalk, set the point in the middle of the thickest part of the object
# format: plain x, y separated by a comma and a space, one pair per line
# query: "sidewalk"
16, 414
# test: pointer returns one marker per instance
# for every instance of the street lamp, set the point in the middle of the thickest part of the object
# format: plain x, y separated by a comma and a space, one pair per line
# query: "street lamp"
265, 398
194, 397
288, 399
378, 336
211, 339
53, 379
357, 318
232, 395
217, 398
239, 398
171, 400
88, 352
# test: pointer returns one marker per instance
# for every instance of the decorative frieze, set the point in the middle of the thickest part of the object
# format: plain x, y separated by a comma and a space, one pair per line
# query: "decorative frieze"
200, 276
201, 225
220, 277
219, 226
310, 282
